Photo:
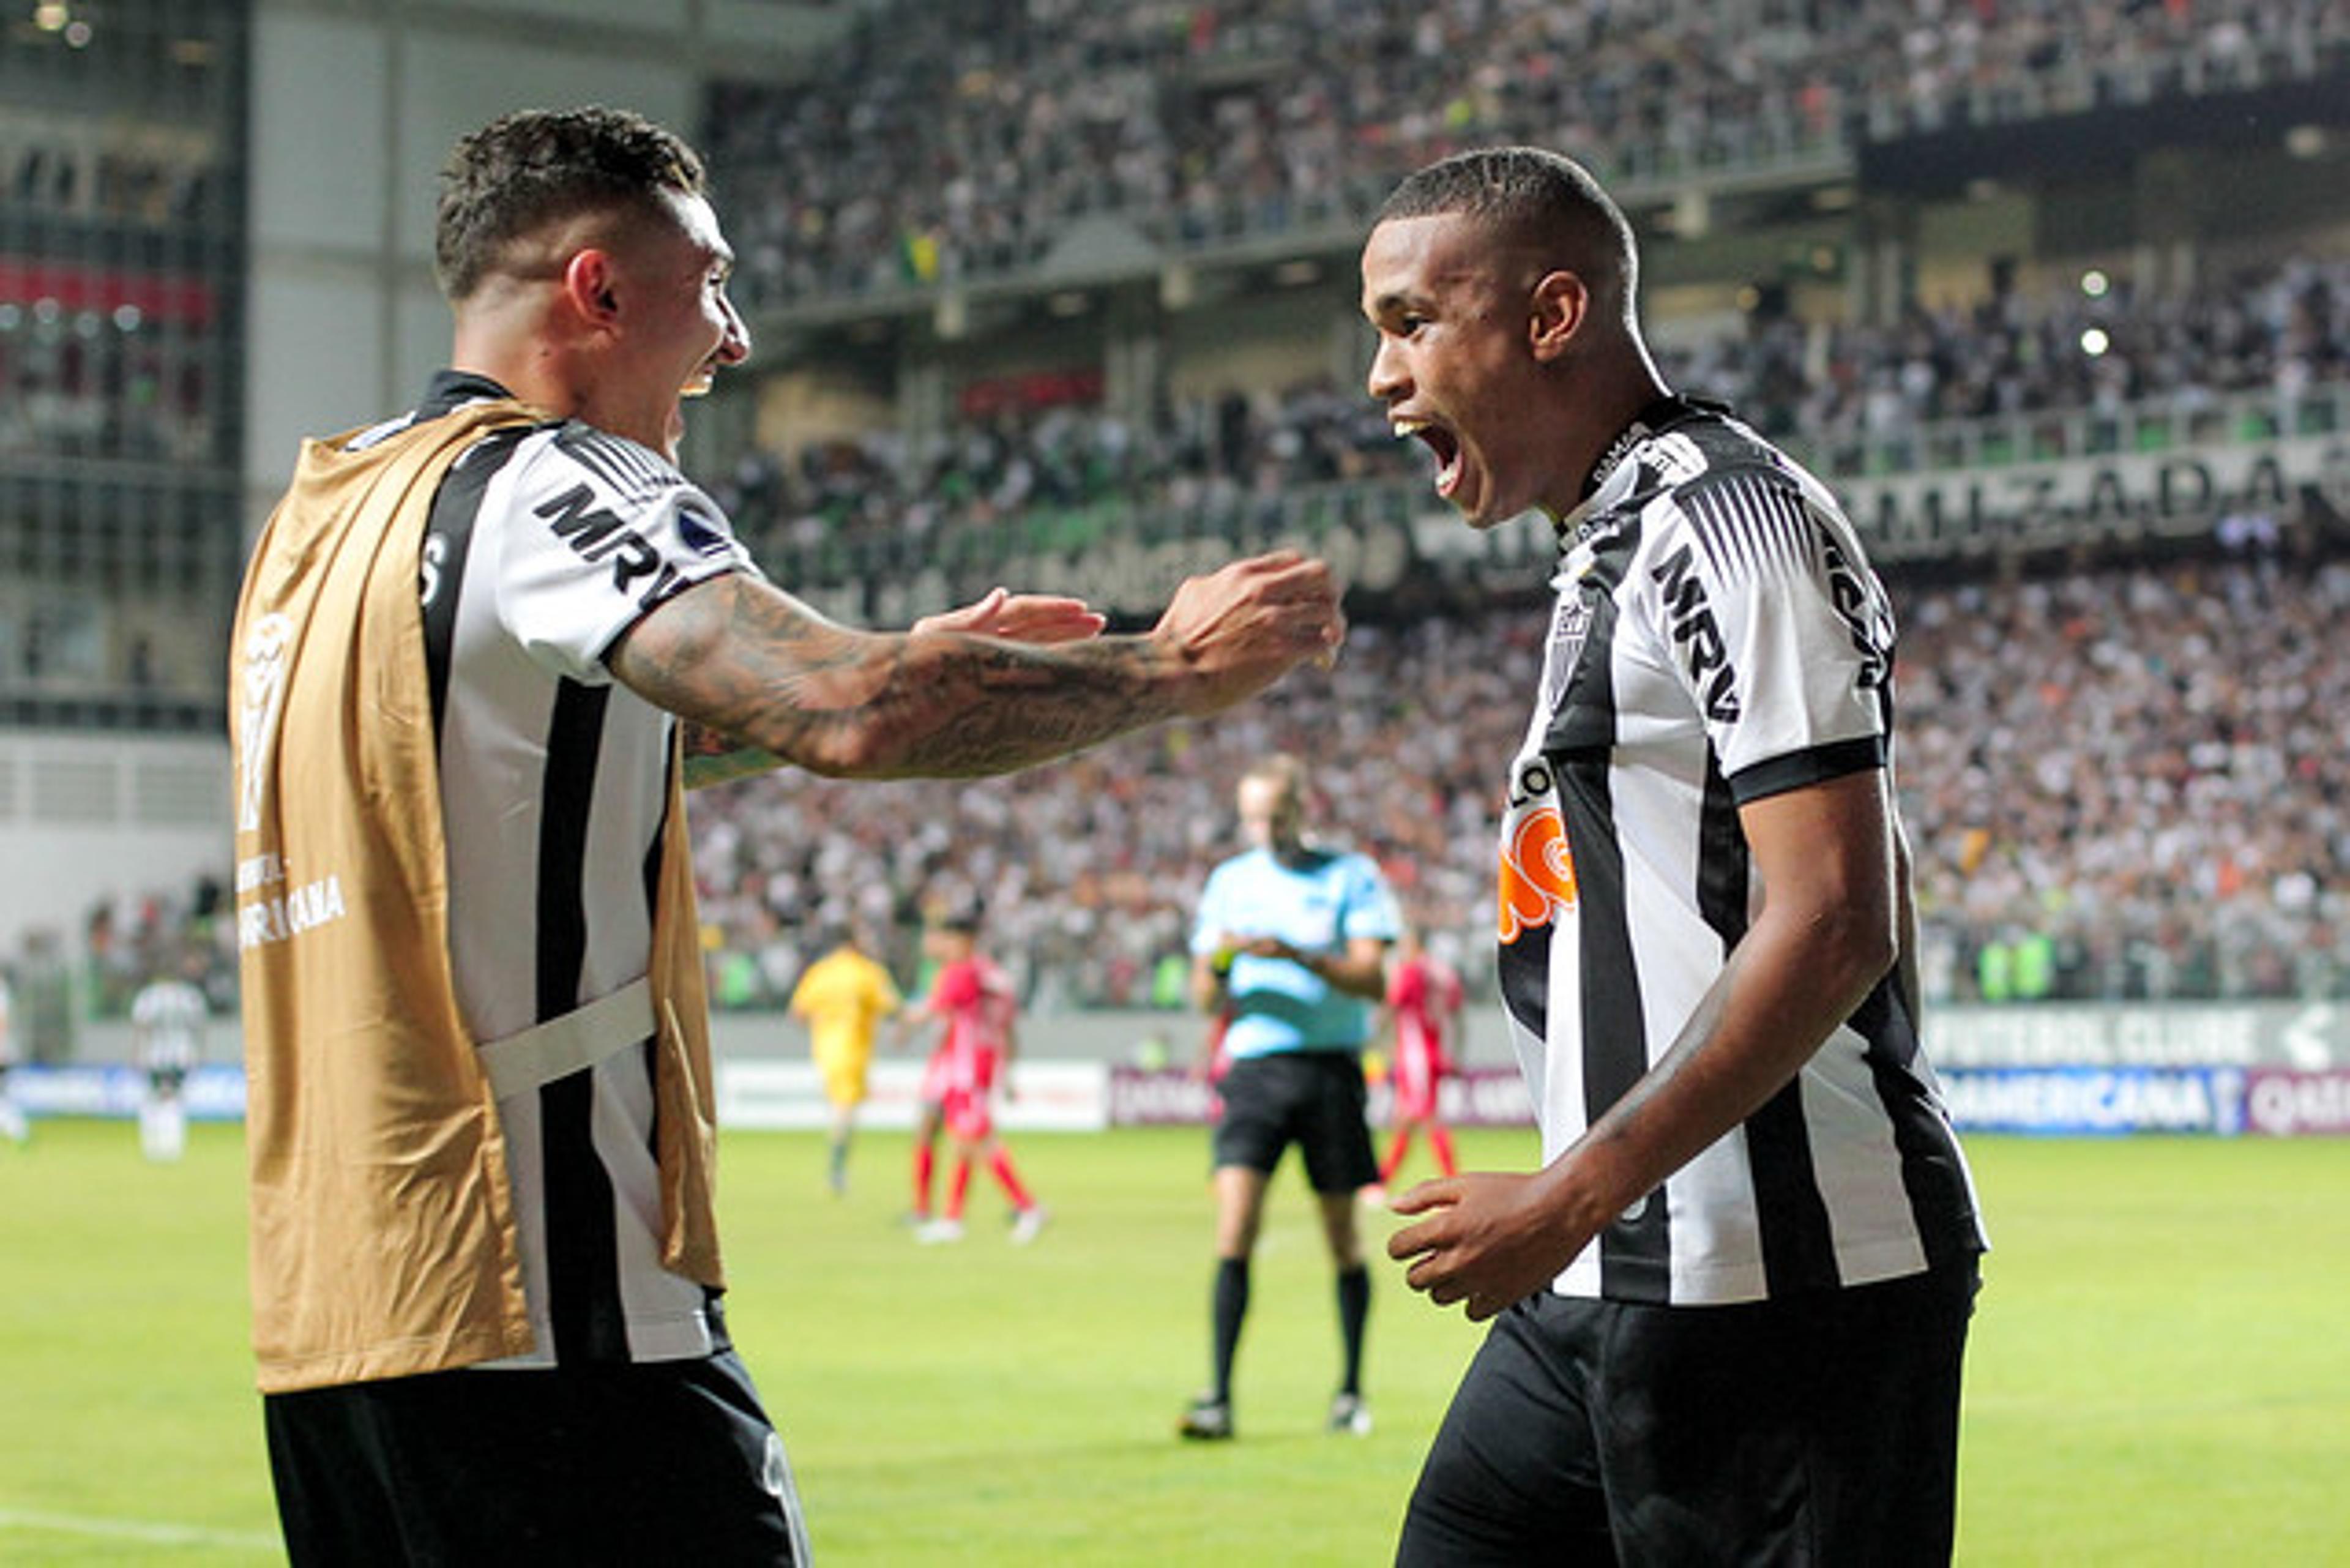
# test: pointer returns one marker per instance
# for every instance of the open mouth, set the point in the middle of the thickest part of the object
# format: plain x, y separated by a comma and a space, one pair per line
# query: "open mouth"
1441, 441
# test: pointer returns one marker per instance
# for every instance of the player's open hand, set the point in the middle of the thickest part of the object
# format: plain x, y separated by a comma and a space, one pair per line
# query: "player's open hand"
1487, 1241
1020, 617
1243, 626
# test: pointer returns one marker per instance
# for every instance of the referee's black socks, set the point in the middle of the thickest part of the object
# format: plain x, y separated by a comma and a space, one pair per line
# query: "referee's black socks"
1354, 1311
1231, 1299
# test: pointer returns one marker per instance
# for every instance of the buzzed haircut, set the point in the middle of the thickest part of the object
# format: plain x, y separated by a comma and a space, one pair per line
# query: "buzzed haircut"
520, 173
1531, 195
1281, 768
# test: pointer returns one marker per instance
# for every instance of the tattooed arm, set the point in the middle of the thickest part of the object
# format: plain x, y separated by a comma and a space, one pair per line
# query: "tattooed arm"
711, 757
766, 681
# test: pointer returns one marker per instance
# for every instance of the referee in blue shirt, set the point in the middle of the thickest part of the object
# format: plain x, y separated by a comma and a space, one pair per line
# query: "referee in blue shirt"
1289, 948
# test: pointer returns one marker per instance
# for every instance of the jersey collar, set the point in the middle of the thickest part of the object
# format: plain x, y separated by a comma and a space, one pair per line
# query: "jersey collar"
450, 390
1599, 495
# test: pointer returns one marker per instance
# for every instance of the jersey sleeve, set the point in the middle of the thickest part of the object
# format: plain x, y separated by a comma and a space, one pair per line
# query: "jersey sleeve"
600, 533
1779, 634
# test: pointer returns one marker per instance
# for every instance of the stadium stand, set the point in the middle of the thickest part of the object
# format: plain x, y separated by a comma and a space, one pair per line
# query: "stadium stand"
937, 159
953, 143
2105, 804
121, 214
1850, 398
2137, 768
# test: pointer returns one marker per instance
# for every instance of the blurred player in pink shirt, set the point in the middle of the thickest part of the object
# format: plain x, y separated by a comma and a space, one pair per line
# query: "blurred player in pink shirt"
1423, 1004
973, 999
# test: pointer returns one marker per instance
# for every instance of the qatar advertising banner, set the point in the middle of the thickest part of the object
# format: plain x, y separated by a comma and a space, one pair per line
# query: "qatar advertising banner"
2285, 1103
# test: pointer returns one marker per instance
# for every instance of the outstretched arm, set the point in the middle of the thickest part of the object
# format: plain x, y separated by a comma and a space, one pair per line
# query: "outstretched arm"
711, 757
741, 660
1827, 933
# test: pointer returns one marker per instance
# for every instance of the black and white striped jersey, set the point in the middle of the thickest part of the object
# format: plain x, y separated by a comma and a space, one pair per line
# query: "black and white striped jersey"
544, 545
1718, 636
169, 1017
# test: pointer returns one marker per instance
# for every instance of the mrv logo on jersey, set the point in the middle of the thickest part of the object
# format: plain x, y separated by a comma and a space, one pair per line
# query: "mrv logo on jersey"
596, 534
1690, 620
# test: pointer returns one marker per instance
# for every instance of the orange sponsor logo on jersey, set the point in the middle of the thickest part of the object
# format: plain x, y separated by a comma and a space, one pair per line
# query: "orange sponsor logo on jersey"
1537, 877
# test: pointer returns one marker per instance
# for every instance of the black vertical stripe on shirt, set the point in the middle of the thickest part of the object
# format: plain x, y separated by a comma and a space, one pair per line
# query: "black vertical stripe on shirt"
1797, 1243
1615, 1049
1635, 1251
456, 506
1526, 977
1584, 723
1939, 1198
1637, 1247
650, 874
582, 1261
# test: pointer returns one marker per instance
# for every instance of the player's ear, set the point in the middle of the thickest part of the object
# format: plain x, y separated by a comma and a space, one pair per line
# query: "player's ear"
1560, 304
590, 281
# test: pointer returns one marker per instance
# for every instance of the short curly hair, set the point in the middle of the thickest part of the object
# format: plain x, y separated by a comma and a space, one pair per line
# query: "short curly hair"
524, 171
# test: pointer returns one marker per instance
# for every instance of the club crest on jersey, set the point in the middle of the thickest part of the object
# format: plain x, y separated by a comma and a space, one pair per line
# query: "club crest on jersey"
702, 534
1570, 627
1537, 869
1689, 618
262, 692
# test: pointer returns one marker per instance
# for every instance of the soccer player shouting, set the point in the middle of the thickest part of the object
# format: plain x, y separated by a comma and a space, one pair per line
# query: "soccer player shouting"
1732, 1307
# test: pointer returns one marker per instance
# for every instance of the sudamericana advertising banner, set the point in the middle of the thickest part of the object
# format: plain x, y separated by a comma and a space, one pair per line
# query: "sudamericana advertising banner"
2277, 1070
2078, 1100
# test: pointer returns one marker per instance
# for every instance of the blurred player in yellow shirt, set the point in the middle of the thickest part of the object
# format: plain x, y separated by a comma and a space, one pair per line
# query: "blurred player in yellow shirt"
843, 997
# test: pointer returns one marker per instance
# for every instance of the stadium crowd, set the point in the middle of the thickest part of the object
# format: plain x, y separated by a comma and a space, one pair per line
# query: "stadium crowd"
1847, 397
2107, 803
944, 143
2126, 781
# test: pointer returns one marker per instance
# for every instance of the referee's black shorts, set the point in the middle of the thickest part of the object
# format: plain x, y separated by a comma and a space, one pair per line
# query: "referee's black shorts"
1809, 1432
1312, 1098
662, 1462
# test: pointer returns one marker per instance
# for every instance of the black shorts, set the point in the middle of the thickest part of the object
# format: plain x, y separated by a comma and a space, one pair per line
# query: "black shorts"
1823, 1429
663, 1461
1312, 1098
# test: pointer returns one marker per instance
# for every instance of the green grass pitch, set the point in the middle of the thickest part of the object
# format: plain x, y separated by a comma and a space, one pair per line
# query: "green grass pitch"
2161, 1372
